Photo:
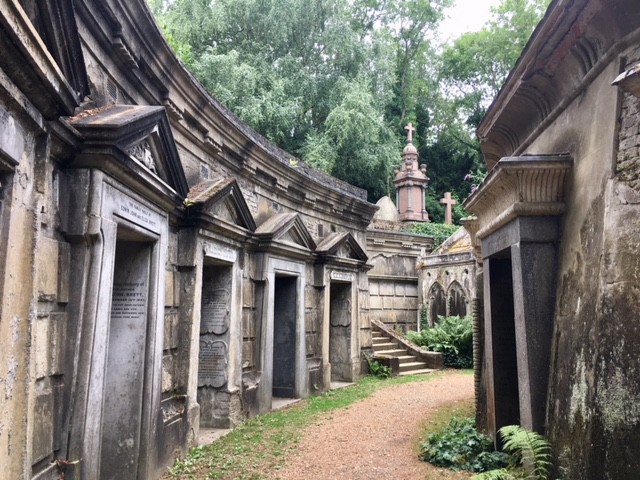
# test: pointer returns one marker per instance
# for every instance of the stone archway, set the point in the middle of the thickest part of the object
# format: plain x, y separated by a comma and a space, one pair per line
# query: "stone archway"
456, 300
437, 303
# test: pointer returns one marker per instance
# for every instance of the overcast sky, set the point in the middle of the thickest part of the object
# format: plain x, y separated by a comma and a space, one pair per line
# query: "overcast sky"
465, 16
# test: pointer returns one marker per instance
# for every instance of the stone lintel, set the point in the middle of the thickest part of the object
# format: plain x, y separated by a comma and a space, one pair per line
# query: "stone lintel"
519, 186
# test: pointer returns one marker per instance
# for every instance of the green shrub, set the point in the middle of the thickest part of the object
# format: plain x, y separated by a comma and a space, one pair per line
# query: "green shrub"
459, 446
453, 336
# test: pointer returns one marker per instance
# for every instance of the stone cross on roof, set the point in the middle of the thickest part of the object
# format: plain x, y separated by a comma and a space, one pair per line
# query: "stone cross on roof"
449, 202
410, 129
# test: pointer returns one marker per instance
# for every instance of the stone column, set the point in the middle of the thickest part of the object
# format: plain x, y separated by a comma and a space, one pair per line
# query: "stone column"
534, 302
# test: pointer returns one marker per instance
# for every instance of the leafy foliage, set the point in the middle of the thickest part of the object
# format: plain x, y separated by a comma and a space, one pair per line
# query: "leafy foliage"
460, 446
378, 369
475, 65
335, 82
530, 456
453, 336
439, 231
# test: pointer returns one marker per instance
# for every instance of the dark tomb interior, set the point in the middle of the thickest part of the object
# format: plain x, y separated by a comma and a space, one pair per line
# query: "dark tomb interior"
507, 402
284, 336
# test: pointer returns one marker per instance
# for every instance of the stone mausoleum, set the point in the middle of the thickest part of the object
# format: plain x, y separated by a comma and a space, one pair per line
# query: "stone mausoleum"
163, 267
558, 222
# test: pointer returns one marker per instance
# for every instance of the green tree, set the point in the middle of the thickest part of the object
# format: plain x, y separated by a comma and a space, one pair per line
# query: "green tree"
474, 67
320, 78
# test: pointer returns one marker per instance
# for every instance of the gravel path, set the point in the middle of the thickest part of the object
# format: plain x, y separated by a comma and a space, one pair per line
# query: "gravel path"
377, 438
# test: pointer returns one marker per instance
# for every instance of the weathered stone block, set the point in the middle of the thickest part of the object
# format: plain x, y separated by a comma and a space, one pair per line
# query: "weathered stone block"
374, 288
375, 302
64, 266
170, 329
388, 303
47, 271
248, 290
12, 136
169, 288
386, 288
247, 355
167, 373
311, 343
40, 346
43, 421
411, 290
58, 342
248, 324
399, 290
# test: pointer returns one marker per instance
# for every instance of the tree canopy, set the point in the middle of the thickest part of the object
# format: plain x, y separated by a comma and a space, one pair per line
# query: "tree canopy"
334, 82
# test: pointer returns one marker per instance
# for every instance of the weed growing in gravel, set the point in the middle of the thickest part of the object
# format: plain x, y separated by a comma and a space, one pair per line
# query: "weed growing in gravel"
262, 443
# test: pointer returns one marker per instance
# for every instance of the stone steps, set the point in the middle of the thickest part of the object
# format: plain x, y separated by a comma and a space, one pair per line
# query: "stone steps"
409, 364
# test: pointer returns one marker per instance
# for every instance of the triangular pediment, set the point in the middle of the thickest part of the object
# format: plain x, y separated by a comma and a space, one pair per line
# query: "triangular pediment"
221, 199
341, 245
138, 137
286, 228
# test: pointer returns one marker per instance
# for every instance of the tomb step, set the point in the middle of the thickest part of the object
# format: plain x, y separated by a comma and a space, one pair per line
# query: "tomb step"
412, 366
377, 340
417, 372
391, 352
385, 346
406, 359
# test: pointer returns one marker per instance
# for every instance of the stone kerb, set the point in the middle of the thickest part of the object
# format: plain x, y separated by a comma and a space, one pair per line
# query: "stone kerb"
519, 186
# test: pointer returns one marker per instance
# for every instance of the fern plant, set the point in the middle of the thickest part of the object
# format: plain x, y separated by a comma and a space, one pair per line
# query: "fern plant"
531, 454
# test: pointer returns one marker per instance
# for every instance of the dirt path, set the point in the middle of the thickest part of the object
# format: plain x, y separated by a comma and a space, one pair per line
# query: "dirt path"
377, 438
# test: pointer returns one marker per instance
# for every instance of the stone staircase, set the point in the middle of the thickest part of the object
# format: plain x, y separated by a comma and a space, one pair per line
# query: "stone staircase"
403, 357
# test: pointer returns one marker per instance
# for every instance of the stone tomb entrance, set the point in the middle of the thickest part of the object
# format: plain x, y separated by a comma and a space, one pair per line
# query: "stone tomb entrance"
126, 364
117, 226
284, 336
519, 250
340, 307
502, 341
284, 249
215, 313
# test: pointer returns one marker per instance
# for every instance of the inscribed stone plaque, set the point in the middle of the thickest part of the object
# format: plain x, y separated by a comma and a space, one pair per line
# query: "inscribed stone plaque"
214, 315
342, 276
128, 301
212, 371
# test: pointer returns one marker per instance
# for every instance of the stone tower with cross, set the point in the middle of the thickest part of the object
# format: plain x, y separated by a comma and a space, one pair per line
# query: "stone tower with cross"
411, 183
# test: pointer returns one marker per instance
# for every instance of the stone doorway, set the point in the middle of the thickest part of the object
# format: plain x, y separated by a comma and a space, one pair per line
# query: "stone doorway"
502, 337
213, 358
126, 368
285, 305
340, 332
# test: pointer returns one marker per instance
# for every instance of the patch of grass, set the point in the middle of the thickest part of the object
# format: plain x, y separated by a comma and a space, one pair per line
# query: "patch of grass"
261, 444
443, 416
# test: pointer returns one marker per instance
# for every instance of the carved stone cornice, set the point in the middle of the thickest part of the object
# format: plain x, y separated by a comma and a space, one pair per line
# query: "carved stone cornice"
472, 225
519, 186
